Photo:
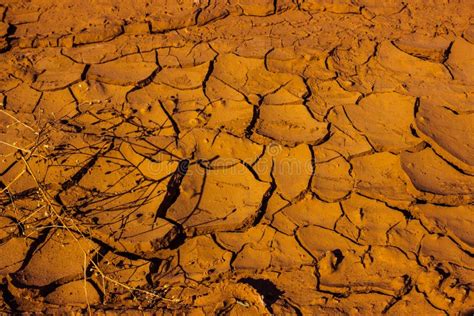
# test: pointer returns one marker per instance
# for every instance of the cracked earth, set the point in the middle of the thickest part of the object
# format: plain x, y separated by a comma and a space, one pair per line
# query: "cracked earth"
237, 157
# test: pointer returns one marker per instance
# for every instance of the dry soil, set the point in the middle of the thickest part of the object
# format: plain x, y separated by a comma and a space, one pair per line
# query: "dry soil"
237, 157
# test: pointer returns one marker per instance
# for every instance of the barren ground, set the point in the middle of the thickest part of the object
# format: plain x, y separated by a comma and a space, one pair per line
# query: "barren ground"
237, 157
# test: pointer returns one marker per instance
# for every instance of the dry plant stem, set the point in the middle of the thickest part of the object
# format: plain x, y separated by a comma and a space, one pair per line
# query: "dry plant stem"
53, 209
31, 215
16, 147
44, 227
48, 199
13, 181
17, 120
325, 170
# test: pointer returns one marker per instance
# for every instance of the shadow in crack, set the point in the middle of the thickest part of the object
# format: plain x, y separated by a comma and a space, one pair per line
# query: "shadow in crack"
265, 288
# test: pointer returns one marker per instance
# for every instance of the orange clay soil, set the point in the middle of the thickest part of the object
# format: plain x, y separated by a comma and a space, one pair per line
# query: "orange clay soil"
237, 157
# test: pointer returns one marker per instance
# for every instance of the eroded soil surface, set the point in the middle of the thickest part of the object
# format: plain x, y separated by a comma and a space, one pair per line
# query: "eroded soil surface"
237, 157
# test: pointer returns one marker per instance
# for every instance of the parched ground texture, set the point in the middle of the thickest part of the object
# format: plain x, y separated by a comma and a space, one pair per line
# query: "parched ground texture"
237, 157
